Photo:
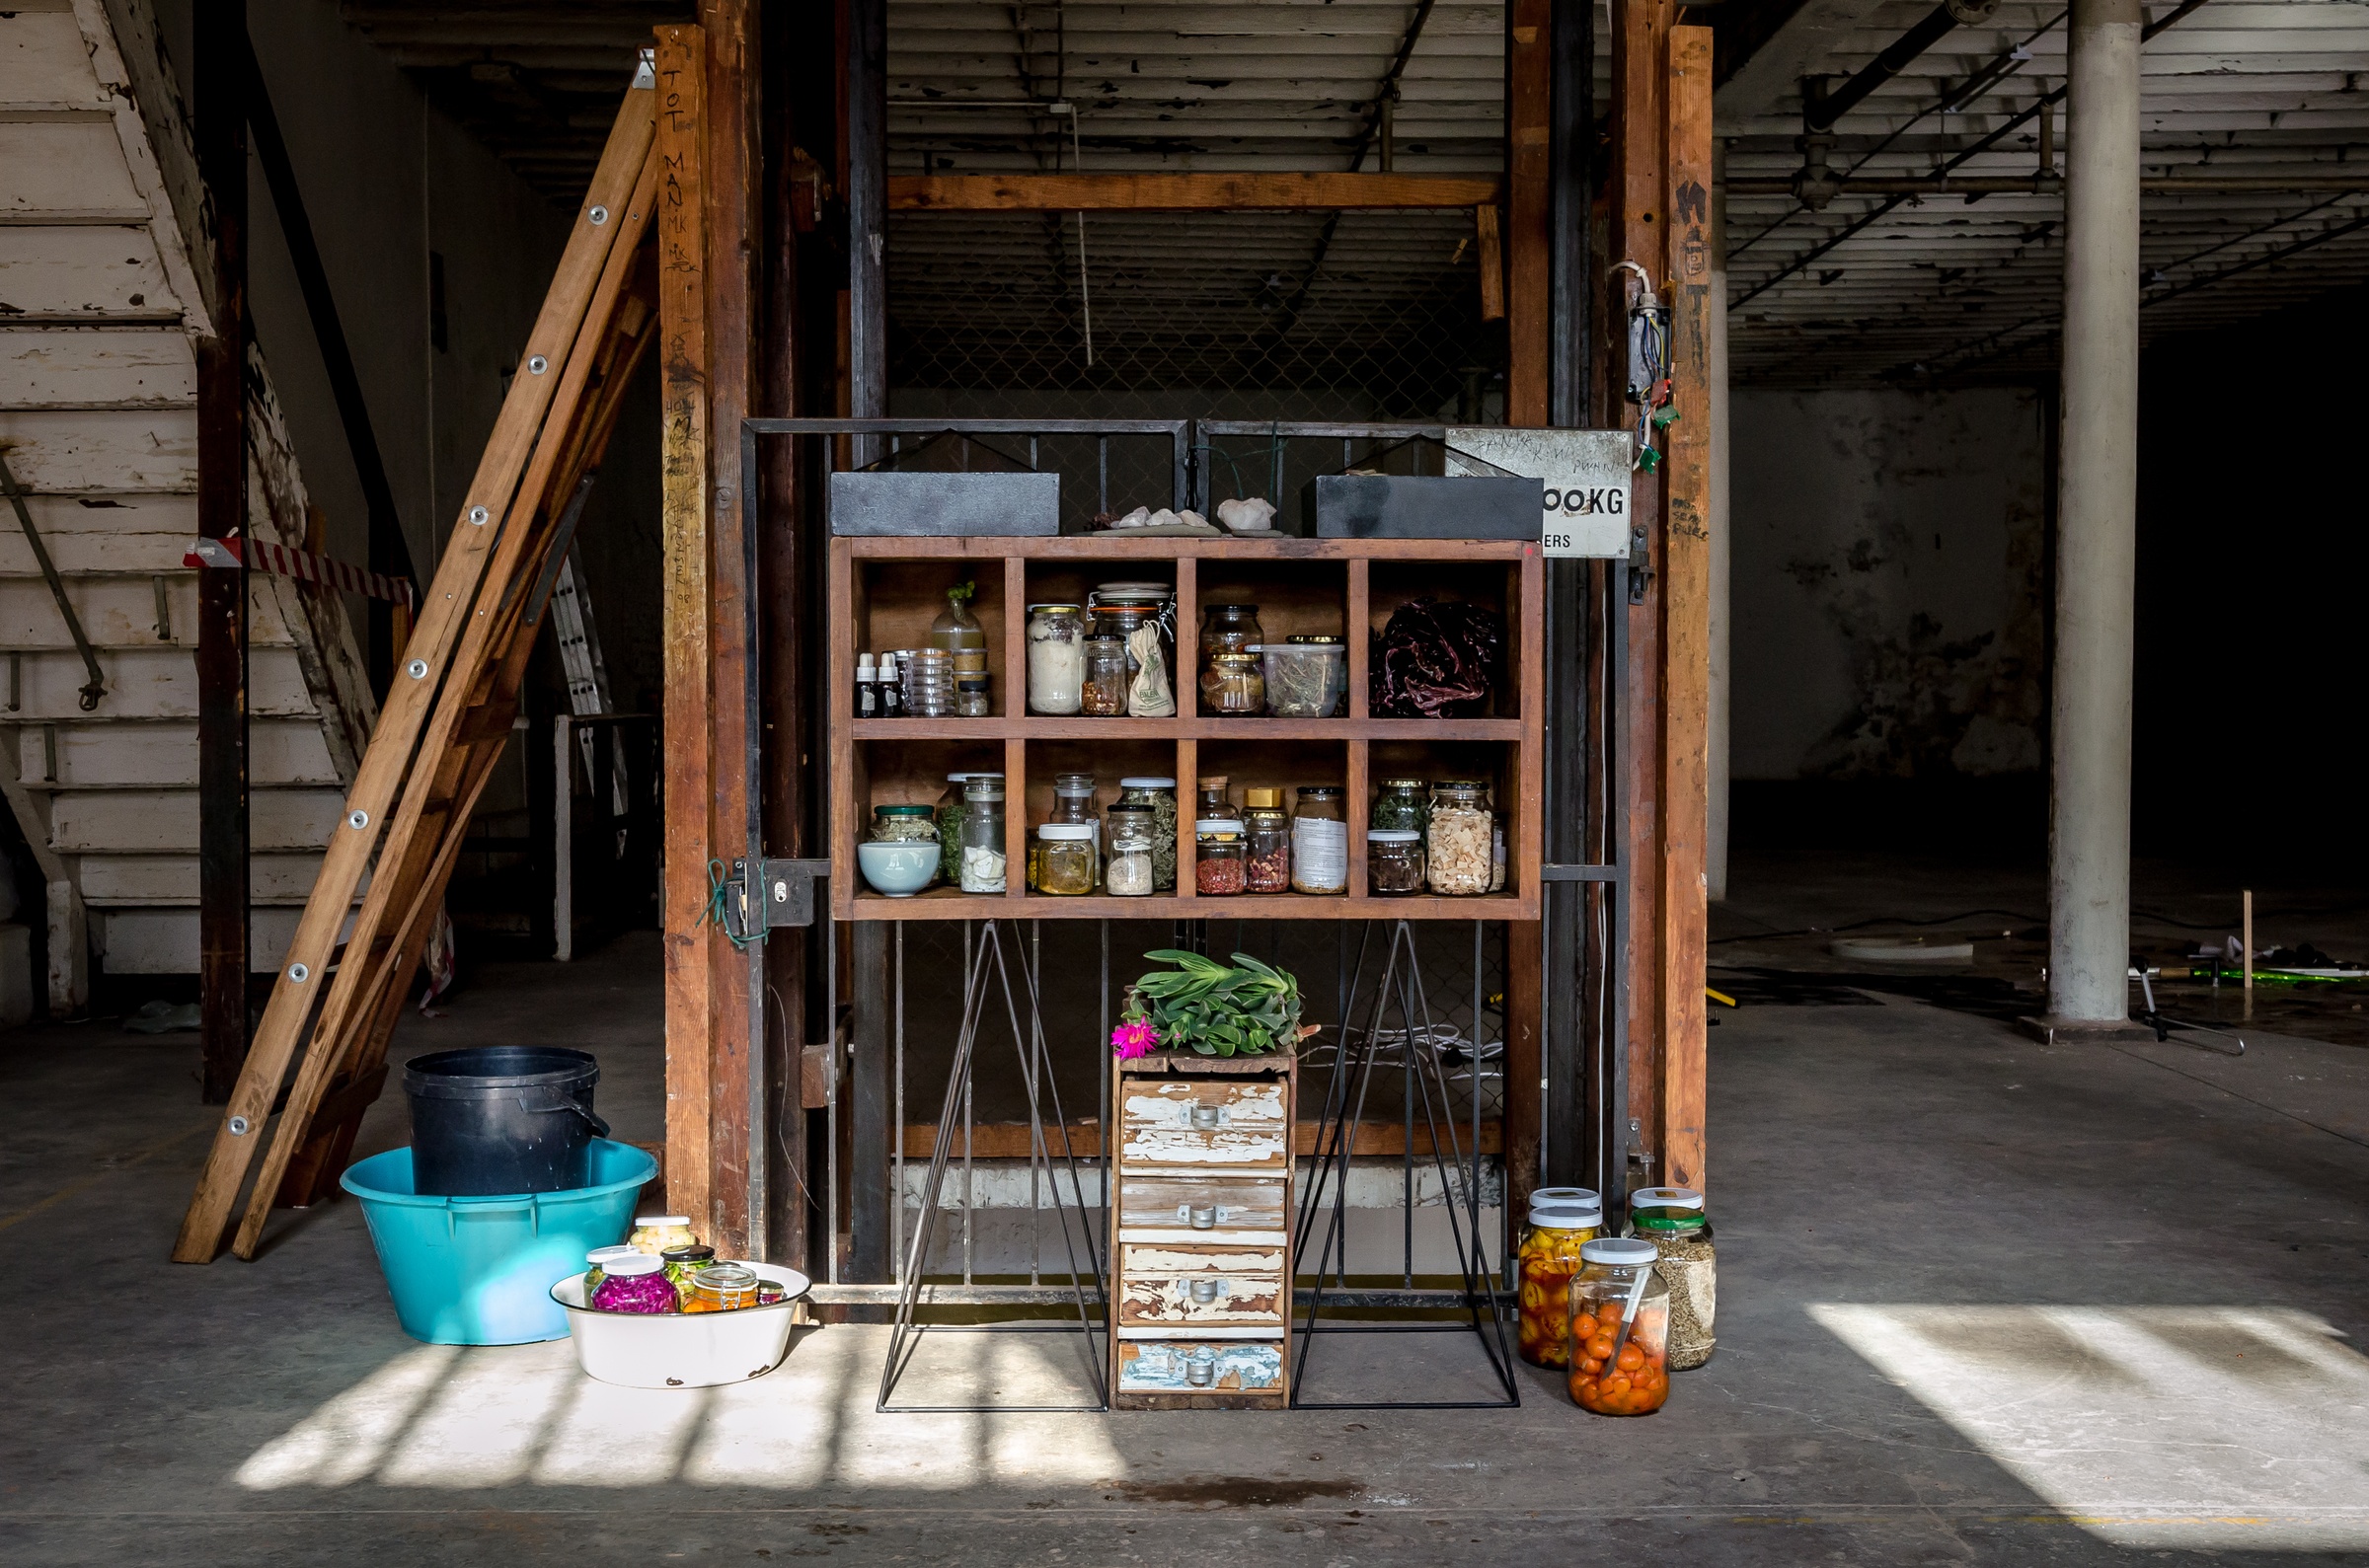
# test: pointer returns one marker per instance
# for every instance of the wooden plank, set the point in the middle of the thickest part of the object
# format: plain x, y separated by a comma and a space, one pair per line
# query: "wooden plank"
449, 600
50, 168
158, 681
42, 60
1490, 255
1529, 81
164, 754
1686, 613
683, 611
84, 272
733, 222
103, 452
112, 821
69, 367
1116, 548
1186, 193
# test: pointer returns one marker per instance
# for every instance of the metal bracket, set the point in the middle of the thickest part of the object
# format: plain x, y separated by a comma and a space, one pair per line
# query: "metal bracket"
1576, 872
765, 896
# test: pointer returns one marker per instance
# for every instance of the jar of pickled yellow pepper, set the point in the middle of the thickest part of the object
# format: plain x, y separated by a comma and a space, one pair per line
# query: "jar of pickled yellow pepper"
1561, 1220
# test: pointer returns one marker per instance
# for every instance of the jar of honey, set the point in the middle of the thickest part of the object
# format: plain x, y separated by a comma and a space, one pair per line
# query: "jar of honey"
1620, 1329
1562, 1221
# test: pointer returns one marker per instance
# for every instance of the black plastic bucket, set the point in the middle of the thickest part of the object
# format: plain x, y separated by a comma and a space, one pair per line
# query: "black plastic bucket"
502, 1119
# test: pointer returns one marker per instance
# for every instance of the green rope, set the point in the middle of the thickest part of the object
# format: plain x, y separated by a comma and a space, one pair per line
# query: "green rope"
712, 915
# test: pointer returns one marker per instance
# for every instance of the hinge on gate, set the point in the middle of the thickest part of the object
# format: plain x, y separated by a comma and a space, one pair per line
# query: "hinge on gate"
766, 896
1641, 571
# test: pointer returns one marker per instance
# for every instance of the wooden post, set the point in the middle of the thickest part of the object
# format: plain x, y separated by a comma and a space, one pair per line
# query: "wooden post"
220, 81
1686, 609
683, 613
1640, 60
1529, 134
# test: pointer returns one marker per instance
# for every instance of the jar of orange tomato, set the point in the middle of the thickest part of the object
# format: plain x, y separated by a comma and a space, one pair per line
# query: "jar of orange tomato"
1562, 1221
1620, 1329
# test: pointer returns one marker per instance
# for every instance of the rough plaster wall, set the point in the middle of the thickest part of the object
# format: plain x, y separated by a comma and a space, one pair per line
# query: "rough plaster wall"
1888, 583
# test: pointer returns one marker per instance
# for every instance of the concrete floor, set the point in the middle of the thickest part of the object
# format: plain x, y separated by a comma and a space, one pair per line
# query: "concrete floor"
1983, 1301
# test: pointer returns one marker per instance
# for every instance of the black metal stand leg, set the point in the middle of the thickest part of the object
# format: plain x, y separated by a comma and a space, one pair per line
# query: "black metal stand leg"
1036, 1072
1426, 1087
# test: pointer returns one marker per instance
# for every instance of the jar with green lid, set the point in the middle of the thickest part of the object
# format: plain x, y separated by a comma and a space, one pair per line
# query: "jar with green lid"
982, 864
1158, 796
1457, 838
1399, 805
1065, 858
904, 824
1673, 1220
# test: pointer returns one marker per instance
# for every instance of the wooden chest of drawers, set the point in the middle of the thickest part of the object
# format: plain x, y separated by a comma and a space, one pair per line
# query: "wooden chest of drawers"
1200, 1228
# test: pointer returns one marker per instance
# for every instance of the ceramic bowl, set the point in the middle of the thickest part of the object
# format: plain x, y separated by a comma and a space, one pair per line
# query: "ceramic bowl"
900, 870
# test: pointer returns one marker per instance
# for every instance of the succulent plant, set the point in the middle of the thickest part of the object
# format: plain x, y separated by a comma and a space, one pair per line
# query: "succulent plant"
1246, 1009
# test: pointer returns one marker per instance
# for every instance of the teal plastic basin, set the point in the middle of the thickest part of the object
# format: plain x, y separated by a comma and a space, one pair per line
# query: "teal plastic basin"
479, 1271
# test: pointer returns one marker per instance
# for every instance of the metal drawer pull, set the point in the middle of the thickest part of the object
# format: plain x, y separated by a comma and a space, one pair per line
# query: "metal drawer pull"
1204, 1218
1206, 1291
1200, 1369
1207, 1117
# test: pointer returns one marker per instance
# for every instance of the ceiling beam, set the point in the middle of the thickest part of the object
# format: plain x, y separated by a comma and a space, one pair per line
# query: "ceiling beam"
1187, 193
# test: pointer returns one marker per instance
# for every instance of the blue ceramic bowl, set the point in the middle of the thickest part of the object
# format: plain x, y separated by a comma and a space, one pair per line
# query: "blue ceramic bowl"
900, 870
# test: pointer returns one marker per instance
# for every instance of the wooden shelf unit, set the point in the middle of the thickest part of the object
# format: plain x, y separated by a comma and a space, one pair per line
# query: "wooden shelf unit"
885, 592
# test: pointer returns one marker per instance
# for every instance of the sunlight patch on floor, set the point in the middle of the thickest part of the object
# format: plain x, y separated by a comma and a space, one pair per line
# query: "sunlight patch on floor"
444, 1416
2159, 1426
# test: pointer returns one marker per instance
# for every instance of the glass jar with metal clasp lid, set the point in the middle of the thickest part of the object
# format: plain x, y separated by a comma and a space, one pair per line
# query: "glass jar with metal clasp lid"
1142, 616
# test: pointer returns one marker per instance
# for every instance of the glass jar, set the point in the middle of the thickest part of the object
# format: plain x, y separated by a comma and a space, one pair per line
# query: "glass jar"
982, 864
1139, 615
722, 1288
636, 1284
958, 631
1056, 658
1399, 805
1499, 823
1214, 801
1306, 677
903, 825
951, 812
1233, 686
1457, 841
1687, 1263
1562, 1221
1320, 842
1229, 629
972, 700
1394, 861
1219, 868
1158, 797
1073, 801
1615, 1374
1128, 873
684, 1261
1267, 836
1065, 859
653, 1233
597, 1263
1102, 692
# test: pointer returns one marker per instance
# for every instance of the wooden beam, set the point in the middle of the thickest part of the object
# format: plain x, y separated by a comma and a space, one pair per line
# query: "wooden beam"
1011, 1140
1189, 192
1529, 200
1489, 254
733, 224
1686, 609
221, 85
683, 611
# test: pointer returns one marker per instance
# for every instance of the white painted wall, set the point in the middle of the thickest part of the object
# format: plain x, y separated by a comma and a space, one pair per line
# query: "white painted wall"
1887, 579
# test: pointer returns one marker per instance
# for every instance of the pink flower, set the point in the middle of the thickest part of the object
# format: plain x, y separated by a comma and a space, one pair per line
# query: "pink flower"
1131, 1040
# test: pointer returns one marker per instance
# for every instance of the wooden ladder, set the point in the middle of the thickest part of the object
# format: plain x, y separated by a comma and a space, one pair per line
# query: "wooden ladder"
446, 719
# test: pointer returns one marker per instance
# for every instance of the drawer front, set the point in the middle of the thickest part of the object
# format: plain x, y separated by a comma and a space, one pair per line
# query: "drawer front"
1183, 1367
1204, 1299
1166, 1203
1214, 1124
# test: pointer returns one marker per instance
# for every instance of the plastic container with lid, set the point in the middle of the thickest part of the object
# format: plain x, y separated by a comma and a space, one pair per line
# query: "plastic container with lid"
1394, 861
1307, 676
1320, 842
1400, 804
1056, 658
1457, 838
1562, 1221
1672, 1219
635, 1283
1129, 871
1157, 796
1065, 858
904, 824
1620, 1329
982, 864
1219, 868
1266, 833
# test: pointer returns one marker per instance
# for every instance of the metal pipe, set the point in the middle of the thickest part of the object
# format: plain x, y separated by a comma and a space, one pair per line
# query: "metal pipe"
1819, 112
2089, 871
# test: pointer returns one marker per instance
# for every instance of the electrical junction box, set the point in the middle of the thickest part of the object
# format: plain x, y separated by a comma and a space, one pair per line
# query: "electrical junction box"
1584, 475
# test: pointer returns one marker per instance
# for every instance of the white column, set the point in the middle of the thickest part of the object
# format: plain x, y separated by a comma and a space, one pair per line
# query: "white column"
2088, 855
1715, 844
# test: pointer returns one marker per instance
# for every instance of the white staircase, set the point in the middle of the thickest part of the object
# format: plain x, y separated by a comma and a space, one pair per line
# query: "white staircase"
100, 300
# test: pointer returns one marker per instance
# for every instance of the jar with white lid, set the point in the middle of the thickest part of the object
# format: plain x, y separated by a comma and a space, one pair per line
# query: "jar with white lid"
1065, 858
1620, 1329
1562, 1221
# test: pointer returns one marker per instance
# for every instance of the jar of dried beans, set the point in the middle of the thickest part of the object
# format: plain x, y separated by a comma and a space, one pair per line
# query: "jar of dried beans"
1620, 1331
1267, 833
1459, 834
1219, 867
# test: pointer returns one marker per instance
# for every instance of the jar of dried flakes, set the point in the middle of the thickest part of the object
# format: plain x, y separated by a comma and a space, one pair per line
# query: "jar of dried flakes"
1459, 834
1267, 833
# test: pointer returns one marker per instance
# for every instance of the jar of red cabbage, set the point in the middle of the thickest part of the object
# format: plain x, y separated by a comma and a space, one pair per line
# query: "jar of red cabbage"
597, 1262
637, 1283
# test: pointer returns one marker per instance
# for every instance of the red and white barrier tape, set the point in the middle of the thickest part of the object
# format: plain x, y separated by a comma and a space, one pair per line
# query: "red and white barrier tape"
301, 565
